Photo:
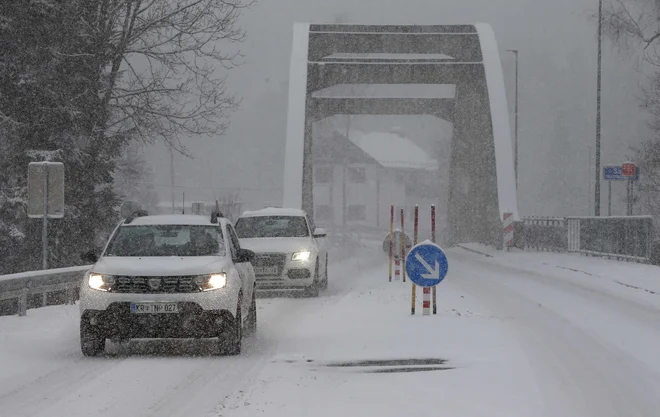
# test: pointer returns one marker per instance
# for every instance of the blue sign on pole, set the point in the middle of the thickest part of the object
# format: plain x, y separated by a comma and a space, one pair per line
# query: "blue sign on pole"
426, 264
615, 173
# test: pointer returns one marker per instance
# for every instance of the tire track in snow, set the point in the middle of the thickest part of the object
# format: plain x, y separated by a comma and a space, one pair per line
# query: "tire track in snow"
580, 373
37, 395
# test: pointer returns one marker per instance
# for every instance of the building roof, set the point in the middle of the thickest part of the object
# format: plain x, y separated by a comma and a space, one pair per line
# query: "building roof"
335, 148
393, 151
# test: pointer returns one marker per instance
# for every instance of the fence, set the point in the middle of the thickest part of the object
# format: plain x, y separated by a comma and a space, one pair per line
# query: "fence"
626, 238
542, 234
20, 292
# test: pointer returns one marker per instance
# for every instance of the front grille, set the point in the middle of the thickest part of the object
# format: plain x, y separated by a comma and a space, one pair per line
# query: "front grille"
155, 285
262, 261
299, 273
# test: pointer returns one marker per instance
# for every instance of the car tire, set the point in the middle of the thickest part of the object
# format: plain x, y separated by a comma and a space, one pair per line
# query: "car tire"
313, 290
231, 340
251, 326
324, 283
92, 341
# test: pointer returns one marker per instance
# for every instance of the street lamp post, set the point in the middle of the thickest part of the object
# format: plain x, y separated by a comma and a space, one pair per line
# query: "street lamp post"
598, 99
515, 158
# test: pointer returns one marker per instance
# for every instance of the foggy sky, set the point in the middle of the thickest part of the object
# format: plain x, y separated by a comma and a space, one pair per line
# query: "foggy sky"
557, 43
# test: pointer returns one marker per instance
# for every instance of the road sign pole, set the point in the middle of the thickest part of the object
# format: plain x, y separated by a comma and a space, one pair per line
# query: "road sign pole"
628, 198
391, 237
435, 305
632, 197
609, 198
44, 232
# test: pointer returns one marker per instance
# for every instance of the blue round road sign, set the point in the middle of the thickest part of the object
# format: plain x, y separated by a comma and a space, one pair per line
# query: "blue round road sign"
426, 264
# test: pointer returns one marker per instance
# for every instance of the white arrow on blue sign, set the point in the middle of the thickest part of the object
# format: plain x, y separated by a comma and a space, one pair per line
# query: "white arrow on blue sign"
426, 264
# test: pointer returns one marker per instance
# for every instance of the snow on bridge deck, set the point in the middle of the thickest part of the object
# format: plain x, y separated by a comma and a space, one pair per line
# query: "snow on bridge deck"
518, 334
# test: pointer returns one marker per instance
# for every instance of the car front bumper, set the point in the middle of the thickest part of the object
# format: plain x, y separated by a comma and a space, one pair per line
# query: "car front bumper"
217, 300
294, 276
117, 321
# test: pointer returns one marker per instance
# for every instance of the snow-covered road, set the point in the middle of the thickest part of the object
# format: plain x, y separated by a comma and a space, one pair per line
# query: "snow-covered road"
511, 338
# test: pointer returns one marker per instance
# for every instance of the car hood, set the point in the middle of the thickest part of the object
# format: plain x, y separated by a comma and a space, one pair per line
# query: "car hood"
160, 265
277, 244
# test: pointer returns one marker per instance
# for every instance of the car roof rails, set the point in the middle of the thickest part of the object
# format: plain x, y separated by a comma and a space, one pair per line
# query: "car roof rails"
215, 215
136, 214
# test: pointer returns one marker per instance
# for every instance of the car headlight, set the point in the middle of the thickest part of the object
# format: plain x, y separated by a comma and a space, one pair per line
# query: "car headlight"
100, 282
301, 256
211, 282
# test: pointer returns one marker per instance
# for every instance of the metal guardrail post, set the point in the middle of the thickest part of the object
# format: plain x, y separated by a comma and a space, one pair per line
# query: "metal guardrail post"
71, 295
22, 302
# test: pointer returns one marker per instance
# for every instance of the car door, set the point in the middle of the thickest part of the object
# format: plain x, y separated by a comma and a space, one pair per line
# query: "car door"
244, 269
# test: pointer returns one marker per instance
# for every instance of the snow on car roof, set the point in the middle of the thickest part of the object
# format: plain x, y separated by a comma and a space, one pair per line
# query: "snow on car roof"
274, 211
173, 219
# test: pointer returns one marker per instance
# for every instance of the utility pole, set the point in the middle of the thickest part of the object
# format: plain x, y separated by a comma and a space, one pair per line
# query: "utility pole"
598, 99
515, 158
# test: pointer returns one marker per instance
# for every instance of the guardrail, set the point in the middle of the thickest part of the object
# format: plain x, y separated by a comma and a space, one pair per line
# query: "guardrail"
33, 289
543, 234
627, 238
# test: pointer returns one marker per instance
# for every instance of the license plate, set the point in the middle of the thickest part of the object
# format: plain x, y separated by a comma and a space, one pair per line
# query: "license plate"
154, 308
266, 270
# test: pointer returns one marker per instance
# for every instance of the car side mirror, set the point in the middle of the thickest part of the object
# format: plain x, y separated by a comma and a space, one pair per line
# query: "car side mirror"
90, 257
244, 255
319, 232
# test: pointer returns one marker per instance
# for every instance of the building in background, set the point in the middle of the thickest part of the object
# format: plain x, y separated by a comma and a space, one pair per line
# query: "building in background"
356, 180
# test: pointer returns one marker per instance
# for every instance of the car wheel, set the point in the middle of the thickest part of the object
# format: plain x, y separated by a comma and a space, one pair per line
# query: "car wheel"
232, 339
92, 341
324, 283
251, 327
313, 290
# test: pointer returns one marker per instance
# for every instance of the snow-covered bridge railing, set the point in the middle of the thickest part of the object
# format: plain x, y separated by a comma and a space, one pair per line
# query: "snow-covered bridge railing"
32, 289
628, 238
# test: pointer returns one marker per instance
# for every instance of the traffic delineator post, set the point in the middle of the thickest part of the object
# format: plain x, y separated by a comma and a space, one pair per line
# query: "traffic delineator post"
397, 269
426, 301
403, 247
508, 230
391, 238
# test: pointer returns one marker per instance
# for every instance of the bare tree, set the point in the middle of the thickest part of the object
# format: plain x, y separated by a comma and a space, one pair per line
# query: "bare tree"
162, 66
634, 25
134, 178
632, 22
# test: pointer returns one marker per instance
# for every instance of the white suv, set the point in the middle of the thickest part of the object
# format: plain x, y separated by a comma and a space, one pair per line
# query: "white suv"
169, 276
290, 254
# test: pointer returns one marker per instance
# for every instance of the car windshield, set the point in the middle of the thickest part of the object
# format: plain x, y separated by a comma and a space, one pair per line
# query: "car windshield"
271, 226
167, 240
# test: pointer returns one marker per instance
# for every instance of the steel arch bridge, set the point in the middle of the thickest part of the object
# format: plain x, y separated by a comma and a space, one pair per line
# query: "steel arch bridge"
482, 181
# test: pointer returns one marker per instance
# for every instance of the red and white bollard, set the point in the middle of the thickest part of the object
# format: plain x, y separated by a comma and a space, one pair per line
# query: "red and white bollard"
426, 301
397, 269
508, 230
